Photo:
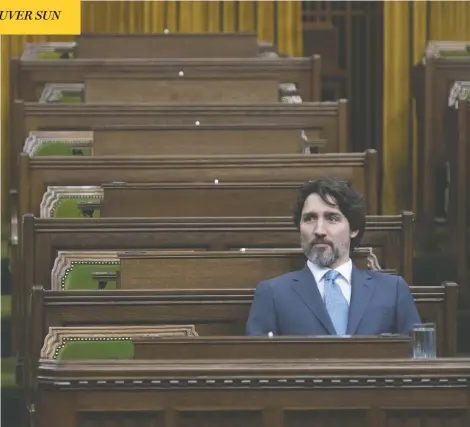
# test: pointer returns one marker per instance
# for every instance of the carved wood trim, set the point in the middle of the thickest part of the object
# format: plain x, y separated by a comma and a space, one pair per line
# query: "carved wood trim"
65, 261
52, 92
57, 336
281, 109
459, 91
199, 127
434, 49
249, 374
228, 67
368, 253
54, 194
222, 296
200, 186
36, 139
265, 161
33, 50
386, 223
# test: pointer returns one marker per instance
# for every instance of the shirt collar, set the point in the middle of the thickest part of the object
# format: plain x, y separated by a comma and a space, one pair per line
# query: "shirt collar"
344, 269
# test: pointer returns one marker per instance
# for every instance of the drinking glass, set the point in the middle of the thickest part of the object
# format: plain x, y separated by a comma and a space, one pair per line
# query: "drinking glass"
423, 337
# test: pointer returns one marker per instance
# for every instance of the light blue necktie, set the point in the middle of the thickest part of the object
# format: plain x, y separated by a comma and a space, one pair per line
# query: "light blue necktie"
336, 303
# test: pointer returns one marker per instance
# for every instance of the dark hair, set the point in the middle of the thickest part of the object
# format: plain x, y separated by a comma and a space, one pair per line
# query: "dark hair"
349, 201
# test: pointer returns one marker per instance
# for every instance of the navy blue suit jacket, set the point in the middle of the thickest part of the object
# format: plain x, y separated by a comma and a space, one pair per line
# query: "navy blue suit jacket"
291, 304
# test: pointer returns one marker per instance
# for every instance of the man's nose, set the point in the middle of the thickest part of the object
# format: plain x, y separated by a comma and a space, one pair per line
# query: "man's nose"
320, 229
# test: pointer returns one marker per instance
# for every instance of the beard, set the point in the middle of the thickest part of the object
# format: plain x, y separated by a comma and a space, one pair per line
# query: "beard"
324, 256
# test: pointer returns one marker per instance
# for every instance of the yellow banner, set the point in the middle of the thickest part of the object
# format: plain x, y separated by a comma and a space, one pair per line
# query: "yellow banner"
34, 17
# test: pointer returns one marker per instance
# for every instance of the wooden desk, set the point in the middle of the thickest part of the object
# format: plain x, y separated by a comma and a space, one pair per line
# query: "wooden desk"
336, 393
158, 348
226, 139
391, 238
173, 45
212, 199
216, 269
35, 116
213, 312
170, 86
305, 73
136, 175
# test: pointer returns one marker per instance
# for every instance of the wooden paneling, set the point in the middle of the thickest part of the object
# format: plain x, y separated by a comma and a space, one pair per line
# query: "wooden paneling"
304, 72
278, 348
174, 45
111, 88
36, 174
216, 312
260, 393
208, 140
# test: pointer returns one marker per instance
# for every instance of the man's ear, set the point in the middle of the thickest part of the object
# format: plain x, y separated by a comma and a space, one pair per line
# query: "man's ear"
354, 233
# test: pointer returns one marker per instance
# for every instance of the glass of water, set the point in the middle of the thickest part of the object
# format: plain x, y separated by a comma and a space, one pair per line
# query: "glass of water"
423, 337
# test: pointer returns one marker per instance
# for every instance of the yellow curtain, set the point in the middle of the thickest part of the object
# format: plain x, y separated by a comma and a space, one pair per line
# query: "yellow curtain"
228, 23
213, 16
450, 20
265, 22
396, 94
155, 16
171, 16
420, 23
246, 16
289, 27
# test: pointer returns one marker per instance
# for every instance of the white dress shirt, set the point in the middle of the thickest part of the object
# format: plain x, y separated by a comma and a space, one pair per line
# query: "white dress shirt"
343, 280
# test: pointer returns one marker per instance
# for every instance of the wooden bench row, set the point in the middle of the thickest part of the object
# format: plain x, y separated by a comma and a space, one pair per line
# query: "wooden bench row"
171, 200
214, 312
218, 315
171, 342
39, 173
325, 121
167, 269
390, 237
45, 241
223, 306
252, 392
232, 80
240, 44
321, 134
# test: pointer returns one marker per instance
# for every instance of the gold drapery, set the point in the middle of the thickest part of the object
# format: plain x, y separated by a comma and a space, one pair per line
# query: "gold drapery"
289, 30
406, 27
420, 28
396, 92
450, 20
279, 22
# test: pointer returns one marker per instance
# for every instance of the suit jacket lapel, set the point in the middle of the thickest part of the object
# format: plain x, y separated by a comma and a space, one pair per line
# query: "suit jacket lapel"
362, 289
306, 287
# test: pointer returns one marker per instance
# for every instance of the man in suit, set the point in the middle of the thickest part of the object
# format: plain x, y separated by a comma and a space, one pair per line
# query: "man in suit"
331, 296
